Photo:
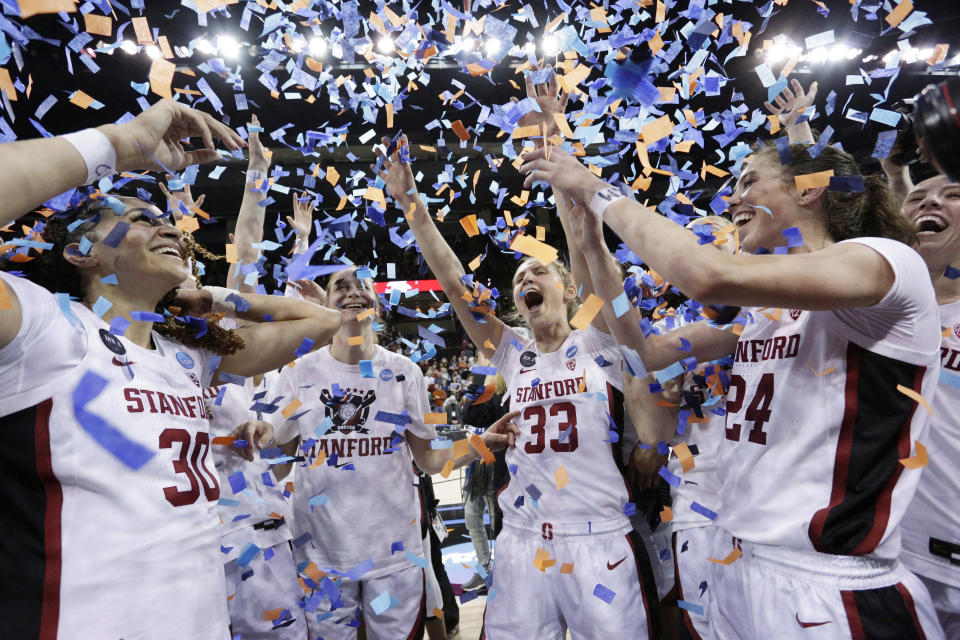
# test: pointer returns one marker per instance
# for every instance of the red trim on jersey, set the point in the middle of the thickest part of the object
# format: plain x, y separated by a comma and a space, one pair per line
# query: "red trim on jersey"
50, 609
882, 518
911, 608
841, 464
652, 629
678, 587
417, 630
853, 616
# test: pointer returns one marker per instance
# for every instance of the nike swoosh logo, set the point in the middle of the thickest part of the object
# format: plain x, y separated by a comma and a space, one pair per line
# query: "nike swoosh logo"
120, 364
525, 370
807, 625
615, 564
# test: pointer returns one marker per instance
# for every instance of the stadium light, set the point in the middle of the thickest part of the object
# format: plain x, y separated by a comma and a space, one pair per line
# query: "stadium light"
152, 51
491, 46
318, 46
550, 45
129, 46
385, 45
228, 46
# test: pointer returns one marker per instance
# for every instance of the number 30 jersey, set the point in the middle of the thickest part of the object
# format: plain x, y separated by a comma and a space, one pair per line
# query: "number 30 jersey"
108, 491
822, 407
563, 470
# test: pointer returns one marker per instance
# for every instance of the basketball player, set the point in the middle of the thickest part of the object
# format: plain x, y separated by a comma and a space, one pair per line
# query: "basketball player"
361, 413
823, 401
931, 526
108, 494
567, 557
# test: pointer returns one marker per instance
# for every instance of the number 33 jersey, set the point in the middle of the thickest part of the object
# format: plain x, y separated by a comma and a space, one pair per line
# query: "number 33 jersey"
822, 407
563, 470
108, 491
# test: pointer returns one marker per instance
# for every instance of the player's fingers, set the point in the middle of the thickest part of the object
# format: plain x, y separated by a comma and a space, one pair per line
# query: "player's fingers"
230, 235
769, 107
564, 98
199, 201
812, 92
531, 89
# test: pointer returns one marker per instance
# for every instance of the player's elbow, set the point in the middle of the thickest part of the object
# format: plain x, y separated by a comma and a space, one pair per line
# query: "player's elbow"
324, 324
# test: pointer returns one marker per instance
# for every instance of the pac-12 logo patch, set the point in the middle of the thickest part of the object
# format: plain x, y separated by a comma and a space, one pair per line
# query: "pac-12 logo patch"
528, 358
185, 360
112, 342
956, 329
572, 351
571, 364
795, 313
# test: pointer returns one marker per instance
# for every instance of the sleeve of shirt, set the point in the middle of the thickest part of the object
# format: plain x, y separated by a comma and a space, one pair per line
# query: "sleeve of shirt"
603, 346
417, 404
509, 348
285, 384
47, 345
900, 324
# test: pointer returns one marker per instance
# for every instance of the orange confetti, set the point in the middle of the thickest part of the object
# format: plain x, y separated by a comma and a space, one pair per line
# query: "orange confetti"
542, 560
916, 397
684, 456
469, 224
918, 461
33, 7
81, 99
730, 559
6, 84
481, 448
588, 311
534, 248
231, 253
355, 341
460, 130
666, 515
561, 478
657, 130
291, 408
142, 30
97, 25
901, 11
566, 567
161, 77
434, 418
813, 180
447, 468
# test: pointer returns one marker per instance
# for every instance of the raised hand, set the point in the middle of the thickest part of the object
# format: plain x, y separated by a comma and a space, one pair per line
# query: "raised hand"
397, 175
258, 157
174, 198
550, 100
302, 220
562, 172
257, 433
791, 104
152, 140
502, 433
311, 291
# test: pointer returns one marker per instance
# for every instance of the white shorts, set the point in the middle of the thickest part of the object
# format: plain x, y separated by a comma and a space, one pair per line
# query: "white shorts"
659, 551
946, 602
596, 588
793, 594
691, 548
403, 620
264, 605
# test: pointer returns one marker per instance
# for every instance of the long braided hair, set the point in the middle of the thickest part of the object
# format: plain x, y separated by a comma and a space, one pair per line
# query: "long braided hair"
52, 271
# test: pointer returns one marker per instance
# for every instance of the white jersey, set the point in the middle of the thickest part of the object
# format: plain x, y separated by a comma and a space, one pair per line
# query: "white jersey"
357, 495
931, 528
816, 425
95, 548
250, 493
697, 497
564, 469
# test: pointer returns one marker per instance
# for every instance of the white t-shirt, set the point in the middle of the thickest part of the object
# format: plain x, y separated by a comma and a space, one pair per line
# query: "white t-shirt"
362, 498
816, 426
563, 470
931, 526
260, 494
97, 548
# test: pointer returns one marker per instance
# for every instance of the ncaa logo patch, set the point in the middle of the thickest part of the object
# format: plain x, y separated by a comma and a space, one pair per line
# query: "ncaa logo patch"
185, 360
112, 342
528, 358
572, 351
386, 375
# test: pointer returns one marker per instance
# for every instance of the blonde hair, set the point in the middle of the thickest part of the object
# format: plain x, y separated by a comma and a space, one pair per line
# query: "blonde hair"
566, 279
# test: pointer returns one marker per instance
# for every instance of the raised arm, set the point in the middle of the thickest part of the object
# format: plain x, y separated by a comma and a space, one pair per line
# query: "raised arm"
441, 259
36, 170
274, 328
249, 229
790, 105
499, 435
840, 276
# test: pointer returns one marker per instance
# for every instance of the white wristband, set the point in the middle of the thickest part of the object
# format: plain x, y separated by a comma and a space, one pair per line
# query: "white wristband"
220, 302
97, 153
603, 199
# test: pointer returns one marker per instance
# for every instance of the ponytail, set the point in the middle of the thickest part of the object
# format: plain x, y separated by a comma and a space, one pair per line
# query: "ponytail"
871, 212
